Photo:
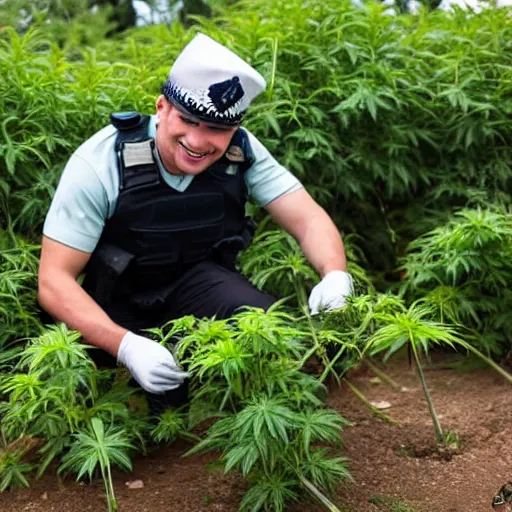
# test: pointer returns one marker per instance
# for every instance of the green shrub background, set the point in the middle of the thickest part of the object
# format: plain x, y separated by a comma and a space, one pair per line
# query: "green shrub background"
401, 128
393, 123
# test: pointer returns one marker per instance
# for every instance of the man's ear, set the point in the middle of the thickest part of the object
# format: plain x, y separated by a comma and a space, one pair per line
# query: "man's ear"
161, 103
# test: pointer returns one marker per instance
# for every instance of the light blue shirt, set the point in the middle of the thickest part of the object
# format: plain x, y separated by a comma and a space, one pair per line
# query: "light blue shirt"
88, 188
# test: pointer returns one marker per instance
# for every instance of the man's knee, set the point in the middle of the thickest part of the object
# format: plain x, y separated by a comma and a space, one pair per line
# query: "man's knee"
235, 302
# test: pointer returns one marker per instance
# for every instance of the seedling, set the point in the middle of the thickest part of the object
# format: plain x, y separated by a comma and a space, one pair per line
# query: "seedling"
414, 330
98, 448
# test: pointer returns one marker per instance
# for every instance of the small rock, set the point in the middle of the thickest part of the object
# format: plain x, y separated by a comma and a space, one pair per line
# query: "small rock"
381, 405
375, 381
135, 484
44, 496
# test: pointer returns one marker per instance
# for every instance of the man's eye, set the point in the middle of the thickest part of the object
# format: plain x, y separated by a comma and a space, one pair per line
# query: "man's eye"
187, 121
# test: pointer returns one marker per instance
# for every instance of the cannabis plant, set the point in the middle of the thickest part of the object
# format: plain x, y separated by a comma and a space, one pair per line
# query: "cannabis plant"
97, 447
18, 271
247, 371
171, 426
411, 329
271, 443
345, 333
13, 468
275, 263
462, 271
232, 359
415, 330
54, 392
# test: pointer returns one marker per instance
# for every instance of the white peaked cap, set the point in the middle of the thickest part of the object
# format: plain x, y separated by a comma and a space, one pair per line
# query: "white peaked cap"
211, 82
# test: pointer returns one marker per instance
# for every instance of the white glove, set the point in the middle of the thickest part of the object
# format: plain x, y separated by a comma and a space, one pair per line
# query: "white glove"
150, 364
331, 291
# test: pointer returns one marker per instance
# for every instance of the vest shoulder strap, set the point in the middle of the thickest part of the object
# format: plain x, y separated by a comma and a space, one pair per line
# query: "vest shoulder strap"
134, 148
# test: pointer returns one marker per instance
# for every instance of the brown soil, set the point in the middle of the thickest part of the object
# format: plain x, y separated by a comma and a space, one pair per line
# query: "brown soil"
385, 460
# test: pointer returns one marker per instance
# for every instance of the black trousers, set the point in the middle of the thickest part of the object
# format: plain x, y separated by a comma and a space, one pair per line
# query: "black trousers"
205, 290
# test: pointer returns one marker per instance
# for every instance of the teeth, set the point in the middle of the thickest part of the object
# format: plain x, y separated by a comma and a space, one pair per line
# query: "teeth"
191, 153
195, 154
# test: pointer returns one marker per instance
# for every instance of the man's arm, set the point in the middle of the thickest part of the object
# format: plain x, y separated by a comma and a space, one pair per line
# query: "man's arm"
321, 243
150, 364
61, 295
309, 224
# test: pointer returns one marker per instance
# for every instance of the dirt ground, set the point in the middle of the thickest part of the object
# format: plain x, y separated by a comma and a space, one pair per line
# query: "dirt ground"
388, 462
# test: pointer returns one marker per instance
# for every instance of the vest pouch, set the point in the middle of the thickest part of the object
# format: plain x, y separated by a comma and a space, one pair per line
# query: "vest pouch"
157, 266
104, 271
167, 254
225, 252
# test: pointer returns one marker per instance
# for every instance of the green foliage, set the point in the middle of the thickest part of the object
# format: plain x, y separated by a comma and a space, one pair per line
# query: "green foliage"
271, 443
386, 119
414, 329
18, 284
247, 370
57, 395
391, 122
12, 469
49, 105
412, 326
97, 447
230, 361
276, 264
342, 336
461, 271
171, 426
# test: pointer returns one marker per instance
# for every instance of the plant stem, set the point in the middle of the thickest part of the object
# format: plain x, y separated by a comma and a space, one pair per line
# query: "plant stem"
274, 66
301, 295
437, 425
330, 366
322, 498
366, 402
303, 304
489, 361
112, 498
379, 373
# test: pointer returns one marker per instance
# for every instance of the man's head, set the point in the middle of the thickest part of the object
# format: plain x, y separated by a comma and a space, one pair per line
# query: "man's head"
203, 101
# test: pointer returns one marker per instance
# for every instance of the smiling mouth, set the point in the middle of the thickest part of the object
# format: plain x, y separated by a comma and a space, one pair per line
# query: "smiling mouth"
193, 153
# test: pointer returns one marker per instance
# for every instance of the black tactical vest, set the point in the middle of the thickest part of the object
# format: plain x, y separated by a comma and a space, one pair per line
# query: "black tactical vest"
156, 233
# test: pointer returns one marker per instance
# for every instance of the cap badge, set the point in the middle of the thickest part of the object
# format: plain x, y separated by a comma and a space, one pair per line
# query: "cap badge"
225, 94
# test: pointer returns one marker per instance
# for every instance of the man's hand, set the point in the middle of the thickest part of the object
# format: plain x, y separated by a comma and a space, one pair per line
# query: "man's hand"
331, 291
150, 364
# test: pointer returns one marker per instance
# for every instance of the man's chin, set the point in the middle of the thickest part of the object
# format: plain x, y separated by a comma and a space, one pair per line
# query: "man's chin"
191, 169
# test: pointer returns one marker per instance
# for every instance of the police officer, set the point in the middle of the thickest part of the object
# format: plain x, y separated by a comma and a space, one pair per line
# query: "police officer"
152, 209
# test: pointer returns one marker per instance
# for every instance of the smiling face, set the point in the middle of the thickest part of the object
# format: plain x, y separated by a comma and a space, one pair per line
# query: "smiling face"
186, 144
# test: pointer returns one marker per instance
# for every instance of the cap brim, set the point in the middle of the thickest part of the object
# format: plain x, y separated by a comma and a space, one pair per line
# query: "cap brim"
204, 118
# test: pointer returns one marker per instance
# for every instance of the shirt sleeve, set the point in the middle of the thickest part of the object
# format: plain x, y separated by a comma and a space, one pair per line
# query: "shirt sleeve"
266, 179
79, 208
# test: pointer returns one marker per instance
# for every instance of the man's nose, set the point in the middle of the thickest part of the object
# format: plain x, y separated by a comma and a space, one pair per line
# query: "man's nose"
196, 140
